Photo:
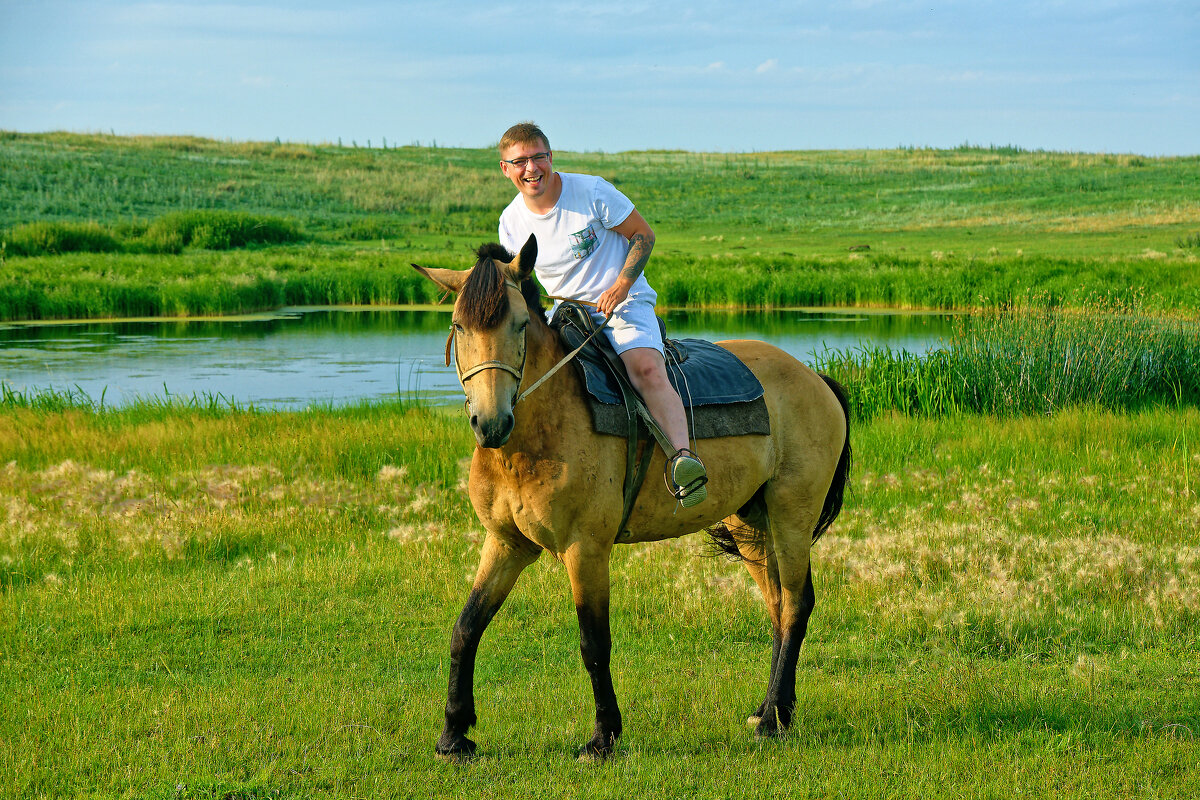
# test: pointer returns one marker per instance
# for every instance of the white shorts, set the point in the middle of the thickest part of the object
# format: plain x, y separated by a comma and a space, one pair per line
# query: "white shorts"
632, 325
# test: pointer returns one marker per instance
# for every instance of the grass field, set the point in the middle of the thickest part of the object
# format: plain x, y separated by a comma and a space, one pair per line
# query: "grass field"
204, 601
941, 229
224, 603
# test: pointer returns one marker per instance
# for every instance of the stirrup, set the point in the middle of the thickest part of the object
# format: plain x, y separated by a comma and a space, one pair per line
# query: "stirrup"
685, 476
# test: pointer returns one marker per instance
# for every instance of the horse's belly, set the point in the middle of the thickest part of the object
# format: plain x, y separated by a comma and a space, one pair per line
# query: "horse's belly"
737, 467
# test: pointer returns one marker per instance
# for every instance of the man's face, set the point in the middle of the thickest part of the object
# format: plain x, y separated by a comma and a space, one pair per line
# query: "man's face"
534, 169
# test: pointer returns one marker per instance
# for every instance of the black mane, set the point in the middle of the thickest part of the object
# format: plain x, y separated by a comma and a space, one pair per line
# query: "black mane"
483, 302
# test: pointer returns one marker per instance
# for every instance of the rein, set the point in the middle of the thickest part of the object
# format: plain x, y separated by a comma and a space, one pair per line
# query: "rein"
518, 373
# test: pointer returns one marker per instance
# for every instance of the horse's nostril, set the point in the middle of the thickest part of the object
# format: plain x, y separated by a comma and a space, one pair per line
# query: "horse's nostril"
475, 421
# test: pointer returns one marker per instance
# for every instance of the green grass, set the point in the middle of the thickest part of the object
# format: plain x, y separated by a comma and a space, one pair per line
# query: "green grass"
945, 229
218, 602
1031, 359
204, 600
206, 283
169, 234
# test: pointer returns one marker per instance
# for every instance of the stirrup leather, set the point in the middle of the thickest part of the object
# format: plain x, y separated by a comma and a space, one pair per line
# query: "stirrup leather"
690, 491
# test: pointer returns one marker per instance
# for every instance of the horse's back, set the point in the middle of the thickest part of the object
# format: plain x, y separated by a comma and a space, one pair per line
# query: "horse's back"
784, 376
806, 415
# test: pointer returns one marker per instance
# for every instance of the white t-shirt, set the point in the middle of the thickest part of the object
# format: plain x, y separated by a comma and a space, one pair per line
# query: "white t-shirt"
579, 256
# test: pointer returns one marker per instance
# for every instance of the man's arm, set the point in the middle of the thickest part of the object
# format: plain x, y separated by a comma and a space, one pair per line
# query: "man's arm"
641, 242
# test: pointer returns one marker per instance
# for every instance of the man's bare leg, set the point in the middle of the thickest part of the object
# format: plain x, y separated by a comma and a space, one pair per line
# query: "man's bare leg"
648, 374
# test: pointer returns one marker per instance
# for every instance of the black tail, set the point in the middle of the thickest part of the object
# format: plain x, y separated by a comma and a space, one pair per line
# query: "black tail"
841, 476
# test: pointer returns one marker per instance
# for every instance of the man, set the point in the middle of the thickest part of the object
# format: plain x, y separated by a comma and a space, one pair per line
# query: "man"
593, 245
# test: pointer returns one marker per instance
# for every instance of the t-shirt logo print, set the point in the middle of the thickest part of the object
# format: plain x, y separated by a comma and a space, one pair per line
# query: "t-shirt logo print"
583, 242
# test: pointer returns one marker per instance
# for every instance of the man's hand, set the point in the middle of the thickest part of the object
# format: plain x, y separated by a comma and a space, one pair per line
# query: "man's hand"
614, 296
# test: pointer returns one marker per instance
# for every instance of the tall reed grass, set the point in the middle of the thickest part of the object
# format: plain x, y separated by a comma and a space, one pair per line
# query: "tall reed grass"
169, 234
1030, 358
204, 283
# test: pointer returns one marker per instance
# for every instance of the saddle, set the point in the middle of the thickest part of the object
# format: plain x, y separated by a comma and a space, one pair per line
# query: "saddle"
721, 396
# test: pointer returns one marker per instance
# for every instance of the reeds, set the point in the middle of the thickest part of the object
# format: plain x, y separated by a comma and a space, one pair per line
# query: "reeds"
169, 234
1030, 358
204, 283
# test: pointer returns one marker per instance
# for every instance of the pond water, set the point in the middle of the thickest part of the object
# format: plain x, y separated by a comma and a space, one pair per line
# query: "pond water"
300, 356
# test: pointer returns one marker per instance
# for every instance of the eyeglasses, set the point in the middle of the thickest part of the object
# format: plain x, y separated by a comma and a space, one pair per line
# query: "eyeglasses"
541, 159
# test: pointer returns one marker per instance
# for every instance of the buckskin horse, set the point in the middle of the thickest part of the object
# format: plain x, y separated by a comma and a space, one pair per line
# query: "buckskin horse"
542, 479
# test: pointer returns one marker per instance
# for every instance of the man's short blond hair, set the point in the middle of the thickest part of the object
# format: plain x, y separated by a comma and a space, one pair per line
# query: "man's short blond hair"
523, 133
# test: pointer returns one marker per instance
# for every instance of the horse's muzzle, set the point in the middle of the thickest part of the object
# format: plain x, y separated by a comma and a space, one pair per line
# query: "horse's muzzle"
492, 430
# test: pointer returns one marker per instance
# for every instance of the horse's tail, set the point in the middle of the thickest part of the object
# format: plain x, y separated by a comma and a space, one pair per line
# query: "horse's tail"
841, 475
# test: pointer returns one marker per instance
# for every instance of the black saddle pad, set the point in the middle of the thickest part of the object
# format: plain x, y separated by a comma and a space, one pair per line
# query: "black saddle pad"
720, 394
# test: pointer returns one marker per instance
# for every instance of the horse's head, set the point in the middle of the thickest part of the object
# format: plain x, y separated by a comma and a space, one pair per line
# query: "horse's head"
488, 334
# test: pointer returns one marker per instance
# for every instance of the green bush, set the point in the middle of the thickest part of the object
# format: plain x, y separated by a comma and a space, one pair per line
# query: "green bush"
54, 238
210, 230
371, 228
220, 230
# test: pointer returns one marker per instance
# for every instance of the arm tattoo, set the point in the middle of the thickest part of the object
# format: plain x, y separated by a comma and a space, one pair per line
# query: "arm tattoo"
639, 254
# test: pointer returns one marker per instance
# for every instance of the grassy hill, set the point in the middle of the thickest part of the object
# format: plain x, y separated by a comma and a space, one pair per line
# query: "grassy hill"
897, 228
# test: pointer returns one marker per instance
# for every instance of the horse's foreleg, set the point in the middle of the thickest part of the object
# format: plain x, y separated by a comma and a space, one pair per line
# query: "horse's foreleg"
589, 585
499, 567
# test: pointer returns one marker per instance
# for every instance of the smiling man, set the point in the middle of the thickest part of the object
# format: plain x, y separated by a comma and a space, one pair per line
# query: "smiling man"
593, 245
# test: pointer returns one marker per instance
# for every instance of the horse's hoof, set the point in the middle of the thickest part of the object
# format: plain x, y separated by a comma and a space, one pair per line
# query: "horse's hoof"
753, 720
591, 754
457, 752
762, 732
769, 726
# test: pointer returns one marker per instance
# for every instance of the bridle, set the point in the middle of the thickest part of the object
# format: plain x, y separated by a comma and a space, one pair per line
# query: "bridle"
516, 372
466, 375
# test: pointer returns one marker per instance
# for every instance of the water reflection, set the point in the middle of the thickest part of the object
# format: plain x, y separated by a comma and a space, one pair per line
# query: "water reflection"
296, 357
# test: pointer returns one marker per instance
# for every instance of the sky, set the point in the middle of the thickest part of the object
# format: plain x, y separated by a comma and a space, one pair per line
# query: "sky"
1114, 76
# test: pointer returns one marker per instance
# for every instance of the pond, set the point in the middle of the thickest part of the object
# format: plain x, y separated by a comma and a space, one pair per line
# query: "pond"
300, 356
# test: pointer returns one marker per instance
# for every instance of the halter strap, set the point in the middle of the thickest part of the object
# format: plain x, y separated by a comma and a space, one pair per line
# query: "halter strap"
478, 368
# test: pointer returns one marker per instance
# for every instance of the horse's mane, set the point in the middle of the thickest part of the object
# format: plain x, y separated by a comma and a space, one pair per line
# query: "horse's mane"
483, 302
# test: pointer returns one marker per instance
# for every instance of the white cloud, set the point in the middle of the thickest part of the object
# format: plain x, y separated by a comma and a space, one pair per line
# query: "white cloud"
767, 66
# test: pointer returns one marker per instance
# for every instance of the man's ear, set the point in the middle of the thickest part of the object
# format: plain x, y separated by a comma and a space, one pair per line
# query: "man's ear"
450, 279
526, 258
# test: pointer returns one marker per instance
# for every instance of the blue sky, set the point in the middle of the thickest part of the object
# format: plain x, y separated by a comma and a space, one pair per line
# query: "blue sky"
1095, 75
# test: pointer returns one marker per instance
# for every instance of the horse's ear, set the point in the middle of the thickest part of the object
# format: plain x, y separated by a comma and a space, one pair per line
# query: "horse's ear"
451, 279
526, 258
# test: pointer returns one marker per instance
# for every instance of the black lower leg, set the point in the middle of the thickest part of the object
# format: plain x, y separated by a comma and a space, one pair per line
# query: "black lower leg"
776, 643
460, 698
777, 710
595, 644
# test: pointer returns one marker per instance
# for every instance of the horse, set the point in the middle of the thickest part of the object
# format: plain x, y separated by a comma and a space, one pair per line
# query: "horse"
542, 480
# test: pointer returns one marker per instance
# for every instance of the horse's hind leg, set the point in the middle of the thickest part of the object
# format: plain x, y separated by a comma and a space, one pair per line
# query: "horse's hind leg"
760, 563
790, 543
499, 566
